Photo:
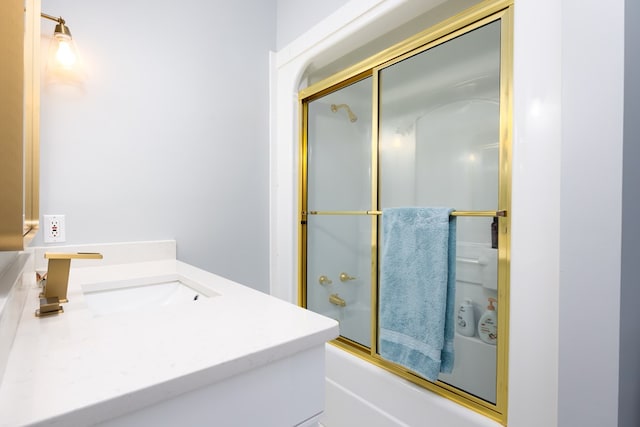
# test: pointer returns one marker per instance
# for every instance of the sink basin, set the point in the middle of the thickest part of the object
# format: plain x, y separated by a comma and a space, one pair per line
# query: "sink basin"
142, 293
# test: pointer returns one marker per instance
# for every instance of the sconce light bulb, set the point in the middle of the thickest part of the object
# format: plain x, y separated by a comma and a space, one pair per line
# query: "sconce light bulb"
65, 53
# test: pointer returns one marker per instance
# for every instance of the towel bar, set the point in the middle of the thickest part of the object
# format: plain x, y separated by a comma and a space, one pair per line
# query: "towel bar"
502, 213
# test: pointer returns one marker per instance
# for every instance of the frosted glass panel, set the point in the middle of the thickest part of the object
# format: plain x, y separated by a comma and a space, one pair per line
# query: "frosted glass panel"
338, 279
341, 244
339, 149
439, 125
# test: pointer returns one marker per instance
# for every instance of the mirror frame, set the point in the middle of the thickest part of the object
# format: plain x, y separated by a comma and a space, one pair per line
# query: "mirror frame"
19, 166
31, 203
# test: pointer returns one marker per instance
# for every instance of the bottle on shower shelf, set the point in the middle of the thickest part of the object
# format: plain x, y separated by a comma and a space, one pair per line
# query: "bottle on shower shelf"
466, 323
494, 233
488, 324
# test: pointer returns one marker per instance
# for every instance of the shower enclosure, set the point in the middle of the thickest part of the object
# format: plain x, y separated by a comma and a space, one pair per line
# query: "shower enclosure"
426, 127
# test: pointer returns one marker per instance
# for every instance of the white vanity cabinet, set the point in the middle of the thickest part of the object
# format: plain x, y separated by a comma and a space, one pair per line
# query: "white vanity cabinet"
236, 358
288, 392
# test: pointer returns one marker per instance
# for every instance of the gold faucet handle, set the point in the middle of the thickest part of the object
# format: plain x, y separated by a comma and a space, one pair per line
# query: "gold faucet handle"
324, 280
49, 306
344, 277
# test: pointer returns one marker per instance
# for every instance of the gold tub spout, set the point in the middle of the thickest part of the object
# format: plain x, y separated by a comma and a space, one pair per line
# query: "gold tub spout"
336, 300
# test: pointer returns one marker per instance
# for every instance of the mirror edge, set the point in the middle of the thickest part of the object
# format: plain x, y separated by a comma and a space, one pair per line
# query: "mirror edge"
31, 202
19, 173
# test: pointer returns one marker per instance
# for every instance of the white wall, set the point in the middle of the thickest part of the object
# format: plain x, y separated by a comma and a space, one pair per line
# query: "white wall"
170, 137
535, 261
591, 193
295, 17
629, 392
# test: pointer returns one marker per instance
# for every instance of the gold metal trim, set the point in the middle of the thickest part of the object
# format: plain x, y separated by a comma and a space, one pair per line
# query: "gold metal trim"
337, 85
19, 164
375, 223
302, 204
339, 213
32, 120
498, 213
504, 202
435, 32
11, 125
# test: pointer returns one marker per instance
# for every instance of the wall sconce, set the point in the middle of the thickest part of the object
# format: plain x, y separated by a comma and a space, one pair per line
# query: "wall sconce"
63, 59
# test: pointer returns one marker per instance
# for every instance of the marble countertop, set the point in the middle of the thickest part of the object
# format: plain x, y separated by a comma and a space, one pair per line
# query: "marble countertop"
80, 368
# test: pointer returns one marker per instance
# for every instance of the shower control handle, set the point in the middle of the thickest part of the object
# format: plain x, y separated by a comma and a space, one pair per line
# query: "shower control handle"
324, 280
344, 277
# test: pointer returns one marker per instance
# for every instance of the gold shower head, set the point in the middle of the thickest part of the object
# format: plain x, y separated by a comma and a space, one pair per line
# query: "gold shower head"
352, 117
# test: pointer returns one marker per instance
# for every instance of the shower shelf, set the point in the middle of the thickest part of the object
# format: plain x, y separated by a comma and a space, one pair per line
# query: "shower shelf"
474, 339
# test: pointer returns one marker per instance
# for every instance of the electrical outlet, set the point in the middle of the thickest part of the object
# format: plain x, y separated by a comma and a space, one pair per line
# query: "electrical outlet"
54, 230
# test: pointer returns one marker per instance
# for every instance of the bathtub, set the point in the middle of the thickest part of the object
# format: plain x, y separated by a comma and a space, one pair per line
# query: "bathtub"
360, 393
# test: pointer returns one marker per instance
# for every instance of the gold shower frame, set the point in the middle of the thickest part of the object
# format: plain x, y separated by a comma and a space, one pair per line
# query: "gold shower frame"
474, 17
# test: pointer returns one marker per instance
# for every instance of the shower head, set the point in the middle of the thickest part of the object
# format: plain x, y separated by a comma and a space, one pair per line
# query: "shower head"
352, 117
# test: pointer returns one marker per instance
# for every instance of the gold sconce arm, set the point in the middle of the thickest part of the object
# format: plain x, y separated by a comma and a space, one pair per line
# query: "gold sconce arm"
57, 19
61, 27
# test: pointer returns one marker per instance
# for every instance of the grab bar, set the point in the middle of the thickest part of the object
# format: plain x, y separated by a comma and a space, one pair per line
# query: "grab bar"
500, 213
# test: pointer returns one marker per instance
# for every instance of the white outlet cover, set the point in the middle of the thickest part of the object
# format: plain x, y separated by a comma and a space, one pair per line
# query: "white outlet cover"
54, 229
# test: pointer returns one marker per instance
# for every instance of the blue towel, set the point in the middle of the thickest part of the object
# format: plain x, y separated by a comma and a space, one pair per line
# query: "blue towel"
417, 289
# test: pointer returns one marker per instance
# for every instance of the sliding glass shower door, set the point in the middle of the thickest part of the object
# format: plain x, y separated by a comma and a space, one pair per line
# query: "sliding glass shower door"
338, 268
439, 146
427, 127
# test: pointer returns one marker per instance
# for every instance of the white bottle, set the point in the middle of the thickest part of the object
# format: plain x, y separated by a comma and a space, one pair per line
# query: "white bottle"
488, 324
466, 319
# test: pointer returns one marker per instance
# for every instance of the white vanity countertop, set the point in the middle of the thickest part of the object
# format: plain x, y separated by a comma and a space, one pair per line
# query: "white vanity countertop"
77, 368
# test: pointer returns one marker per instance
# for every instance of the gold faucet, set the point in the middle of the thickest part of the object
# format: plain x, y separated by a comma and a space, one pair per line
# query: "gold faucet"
335, 299
56, 282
